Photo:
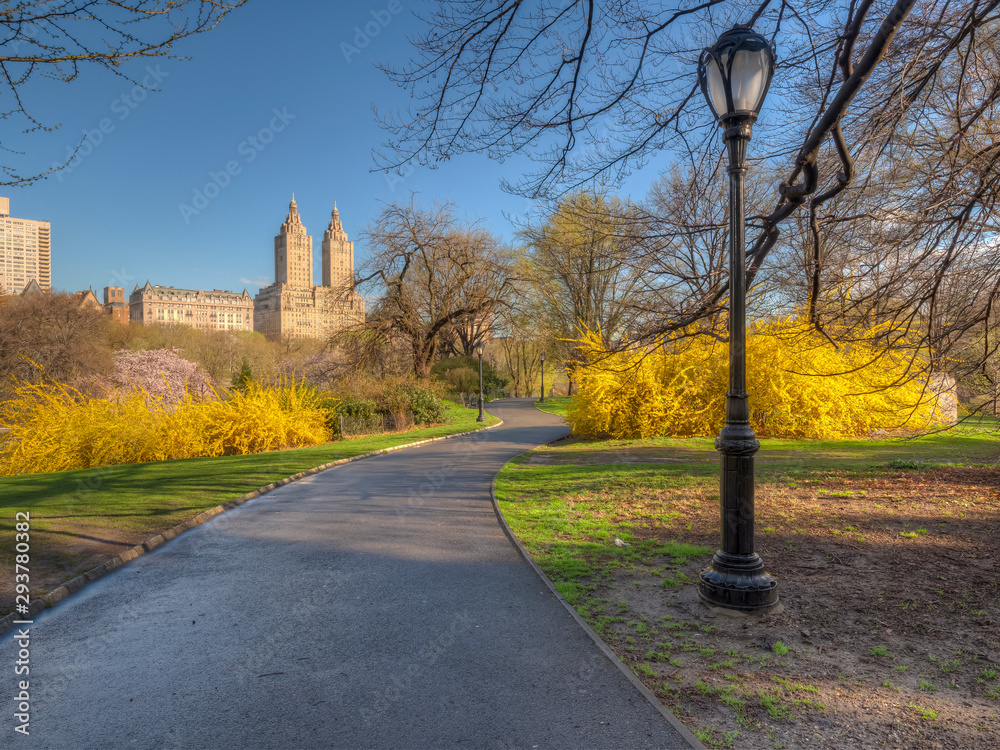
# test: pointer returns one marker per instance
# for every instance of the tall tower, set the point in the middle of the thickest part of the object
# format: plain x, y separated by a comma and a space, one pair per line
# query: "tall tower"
293, 260
338, 253
25, 252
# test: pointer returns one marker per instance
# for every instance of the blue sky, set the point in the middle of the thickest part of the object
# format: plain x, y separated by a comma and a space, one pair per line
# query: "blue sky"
117, 215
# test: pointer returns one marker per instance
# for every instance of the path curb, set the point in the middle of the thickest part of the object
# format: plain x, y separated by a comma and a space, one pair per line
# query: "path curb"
682, 730
72, 586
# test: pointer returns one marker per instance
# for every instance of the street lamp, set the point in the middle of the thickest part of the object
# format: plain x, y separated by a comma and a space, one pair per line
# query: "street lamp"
479, 351
542, 357
735, 74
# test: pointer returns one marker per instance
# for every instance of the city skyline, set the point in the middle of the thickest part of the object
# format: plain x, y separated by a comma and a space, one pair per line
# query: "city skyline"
180, 184
290, 306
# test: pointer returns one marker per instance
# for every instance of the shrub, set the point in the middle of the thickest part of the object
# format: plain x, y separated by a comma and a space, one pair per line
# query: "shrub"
368, 398
799, 386
56, 427
423, 402
358, 407
461, 374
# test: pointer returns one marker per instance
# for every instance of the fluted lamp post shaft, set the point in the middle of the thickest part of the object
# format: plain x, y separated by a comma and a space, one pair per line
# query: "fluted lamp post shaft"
479, 351
542, 357
735, 74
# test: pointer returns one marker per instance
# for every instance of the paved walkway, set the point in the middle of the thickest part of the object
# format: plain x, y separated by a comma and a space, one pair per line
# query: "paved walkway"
375, 605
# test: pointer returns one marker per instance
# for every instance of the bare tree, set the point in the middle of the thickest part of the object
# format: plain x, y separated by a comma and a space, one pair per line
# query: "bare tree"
431, 273
582, 265
519, 345
50, 337
461, 338
585, 271
57, 39
886, 155
682, 244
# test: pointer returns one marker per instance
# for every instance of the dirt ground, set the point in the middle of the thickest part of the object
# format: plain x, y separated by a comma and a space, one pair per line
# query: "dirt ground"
888, 634
66, 550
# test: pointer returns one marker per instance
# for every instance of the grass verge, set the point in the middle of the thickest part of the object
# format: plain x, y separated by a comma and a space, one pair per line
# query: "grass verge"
80, 518
885, 555
554, 405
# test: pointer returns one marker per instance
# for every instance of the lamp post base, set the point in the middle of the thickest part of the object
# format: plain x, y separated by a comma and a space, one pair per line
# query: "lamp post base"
738, 582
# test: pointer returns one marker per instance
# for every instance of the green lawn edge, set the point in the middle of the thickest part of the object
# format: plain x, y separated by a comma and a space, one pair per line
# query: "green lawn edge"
554, 405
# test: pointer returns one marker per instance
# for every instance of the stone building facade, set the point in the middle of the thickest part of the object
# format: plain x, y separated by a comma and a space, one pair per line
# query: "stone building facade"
213, 310
25, 252
115, 305
292, 306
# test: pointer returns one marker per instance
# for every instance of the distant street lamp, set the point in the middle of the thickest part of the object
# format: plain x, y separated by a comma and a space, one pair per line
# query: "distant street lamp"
735, 74
542, 357
479, 351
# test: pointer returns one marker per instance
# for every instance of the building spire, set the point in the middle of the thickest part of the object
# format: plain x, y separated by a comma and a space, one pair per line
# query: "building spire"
335, 219
292, 218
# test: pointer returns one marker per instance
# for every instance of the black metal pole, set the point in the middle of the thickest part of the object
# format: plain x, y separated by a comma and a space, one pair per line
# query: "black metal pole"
481, 417
736, 578
543, 379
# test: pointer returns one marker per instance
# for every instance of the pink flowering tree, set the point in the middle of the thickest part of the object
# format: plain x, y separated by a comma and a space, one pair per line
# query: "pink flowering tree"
161, 373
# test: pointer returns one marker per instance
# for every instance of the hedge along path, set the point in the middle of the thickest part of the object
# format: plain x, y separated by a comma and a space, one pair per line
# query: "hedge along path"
72, 586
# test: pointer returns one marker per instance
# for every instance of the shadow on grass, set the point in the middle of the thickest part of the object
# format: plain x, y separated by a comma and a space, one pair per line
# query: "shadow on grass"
88, 537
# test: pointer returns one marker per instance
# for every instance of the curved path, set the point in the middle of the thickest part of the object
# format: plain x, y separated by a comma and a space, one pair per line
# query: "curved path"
375, 605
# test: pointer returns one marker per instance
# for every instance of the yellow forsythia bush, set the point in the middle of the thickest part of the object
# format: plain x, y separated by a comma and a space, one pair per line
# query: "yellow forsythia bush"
56, 427
799, 384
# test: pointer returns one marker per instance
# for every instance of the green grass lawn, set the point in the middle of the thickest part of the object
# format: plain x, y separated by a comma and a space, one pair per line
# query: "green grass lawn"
972, 443
558, 499
554, 405
134, 501
565, 501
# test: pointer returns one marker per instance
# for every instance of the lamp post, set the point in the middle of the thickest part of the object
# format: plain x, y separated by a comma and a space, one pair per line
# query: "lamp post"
542, 357
479, 351
735, 74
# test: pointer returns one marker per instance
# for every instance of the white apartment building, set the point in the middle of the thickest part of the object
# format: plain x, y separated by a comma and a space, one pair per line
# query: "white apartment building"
25, 252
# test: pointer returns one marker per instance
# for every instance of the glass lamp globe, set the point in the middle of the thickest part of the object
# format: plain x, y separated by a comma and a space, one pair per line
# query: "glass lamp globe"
735, 74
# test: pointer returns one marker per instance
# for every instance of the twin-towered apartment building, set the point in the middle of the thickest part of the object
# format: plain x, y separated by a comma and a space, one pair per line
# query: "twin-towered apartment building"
291, 307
